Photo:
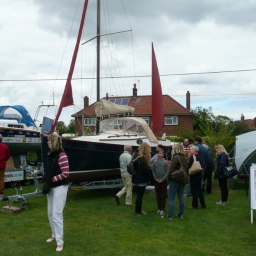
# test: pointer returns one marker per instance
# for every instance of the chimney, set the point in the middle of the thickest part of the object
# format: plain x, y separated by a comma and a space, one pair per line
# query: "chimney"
106, 96
134, 91
86, 101
242, 117
188, 100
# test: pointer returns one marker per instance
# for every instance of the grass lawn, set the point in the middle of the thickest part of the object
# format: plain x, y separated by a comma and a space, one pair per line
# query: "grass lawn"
96, 225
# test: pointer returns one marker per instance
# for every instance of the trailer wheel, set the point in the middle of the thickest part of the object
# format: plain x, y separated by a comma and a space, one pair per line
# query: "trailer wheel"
26, 182
13, 184
25, 206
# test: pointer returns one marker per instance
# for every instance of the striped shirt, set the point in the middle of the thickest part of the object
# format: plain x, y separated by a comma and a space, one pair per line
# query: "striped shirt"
64, 167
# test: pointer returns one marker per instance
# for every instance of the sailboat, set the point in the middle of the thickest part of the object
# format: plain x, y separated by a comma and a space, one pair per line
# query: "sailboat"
97, 157
19, 132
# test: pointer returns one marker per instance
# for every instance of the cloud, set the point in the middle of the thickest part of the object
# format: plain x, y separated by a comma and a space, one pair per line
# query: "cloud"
189, 37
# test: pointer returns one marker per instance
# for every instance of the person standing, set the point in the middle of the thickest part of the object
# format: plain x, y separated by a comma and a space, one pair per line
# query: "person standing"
124, 160
142, 166
56, 175
4, 156
155, 156
160, 170
186, 147
175, 187
202, 151
208, 170
196, 180
222, 161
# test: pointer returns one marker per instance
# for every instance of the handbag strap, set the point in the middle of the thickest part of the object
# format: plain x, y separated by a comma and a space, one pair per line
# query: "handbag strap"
194, 157
180, 161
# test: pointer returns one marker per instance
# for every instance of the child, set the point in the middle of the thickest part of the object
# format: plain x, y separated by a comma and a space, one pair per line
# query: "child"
160, 169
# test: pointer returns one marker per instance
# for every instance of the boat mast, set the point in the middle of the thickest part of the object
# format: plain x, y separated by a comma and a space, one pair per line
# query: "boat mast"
98, 63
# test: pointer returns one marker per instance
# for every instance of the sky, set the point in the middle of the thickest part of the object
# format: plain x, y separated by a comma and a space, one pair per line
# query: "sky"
202, 46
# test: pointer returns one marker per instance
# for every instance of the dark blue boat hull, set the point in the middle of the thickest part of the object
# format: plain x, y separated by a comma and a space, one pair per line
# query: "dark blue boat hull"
90, 161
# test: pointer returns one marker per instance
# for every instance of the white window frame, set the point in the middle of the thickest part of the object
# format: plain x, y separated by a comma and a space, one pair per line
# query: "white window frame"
146, 119
90, 121
173, 120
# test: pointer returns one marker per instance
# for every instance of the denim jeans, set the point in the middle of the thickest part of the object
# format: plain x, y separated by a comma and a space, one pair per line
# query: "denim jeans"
174, 188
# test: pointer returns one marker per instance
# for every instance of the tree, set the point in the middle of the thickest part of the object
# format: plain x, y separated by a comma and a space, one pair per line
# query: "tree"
61, 127
71, 126
214, 129
202, 118
239, 128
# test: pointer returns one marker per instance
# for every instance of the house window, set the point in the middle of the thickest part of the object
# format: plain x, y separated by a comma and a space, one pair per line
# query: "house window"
171, 120
146, 119
90, 121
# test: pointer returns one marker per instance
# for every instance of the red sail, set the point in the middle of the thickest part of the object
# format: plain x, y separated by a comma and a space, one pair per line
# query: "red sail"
157, 98
67, 97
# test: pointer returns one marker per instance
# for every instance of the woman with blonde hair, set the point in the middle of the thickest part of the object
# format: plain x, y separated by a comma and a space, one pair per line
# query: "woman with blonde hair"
222, 161
141, 162
178, 159
56, 174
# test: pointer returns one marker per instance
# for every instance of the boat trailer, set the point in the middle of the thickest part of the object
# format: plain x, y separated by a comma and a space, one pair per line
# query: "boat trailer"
100, 184
20, 198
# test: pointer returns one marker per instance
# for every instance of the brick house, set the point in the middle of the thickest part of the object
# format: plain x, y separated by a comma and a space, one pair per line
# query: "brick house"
250, 122
175, 115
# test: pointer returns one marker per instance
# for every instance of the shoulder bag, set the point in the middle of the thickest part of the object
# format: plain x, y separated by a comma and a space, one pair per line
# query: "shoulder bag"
195, 168
230, 170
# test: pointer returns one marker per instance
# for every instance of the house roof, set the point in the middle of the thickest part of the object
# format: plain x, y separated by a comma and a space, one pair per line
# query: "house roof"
250, 123
142, 105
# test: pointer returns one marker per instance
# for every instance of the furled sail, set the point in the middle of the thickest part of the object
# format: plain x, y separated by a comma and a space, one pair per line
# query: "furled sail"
157, 99
108, 108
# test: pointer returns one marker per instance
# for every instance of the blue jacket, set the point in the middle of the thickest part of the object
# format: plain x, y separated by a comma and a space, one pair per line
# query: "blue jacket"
222, 161
202, 154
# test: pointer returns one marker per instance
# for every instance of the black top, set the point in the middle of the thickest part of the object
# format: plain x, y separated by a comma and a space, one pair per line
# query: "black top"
143, 172
52, 169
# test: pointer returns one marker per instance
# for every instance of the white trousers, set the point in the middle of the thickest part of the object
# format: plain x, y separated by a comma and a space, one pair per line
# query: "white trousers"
126, 189
56, 200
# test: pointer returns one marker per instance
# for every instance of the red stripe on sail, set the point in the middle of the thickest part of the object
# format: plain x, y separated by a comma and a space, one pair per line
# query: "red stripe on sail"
67, 97
157, 97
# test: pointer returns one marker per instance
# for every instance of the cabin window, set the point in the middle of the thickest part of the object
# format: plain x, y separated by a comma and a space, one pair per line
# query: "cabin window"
171, 120
115, 123
90, 121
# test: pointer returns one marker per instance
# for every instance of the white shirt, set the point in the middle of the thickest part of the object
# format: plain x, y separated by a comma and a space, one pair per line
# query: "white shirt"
124, 160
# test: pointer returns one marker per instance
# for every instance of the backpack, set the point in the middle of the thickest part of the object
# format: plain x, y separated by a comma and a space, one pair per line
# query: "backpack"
130, 168
180, 175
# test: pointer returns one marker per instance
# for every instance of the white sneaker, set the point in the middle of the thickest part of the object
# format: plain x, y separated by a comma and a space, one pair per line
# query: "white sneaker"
59, 248
161, 213
158, 212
